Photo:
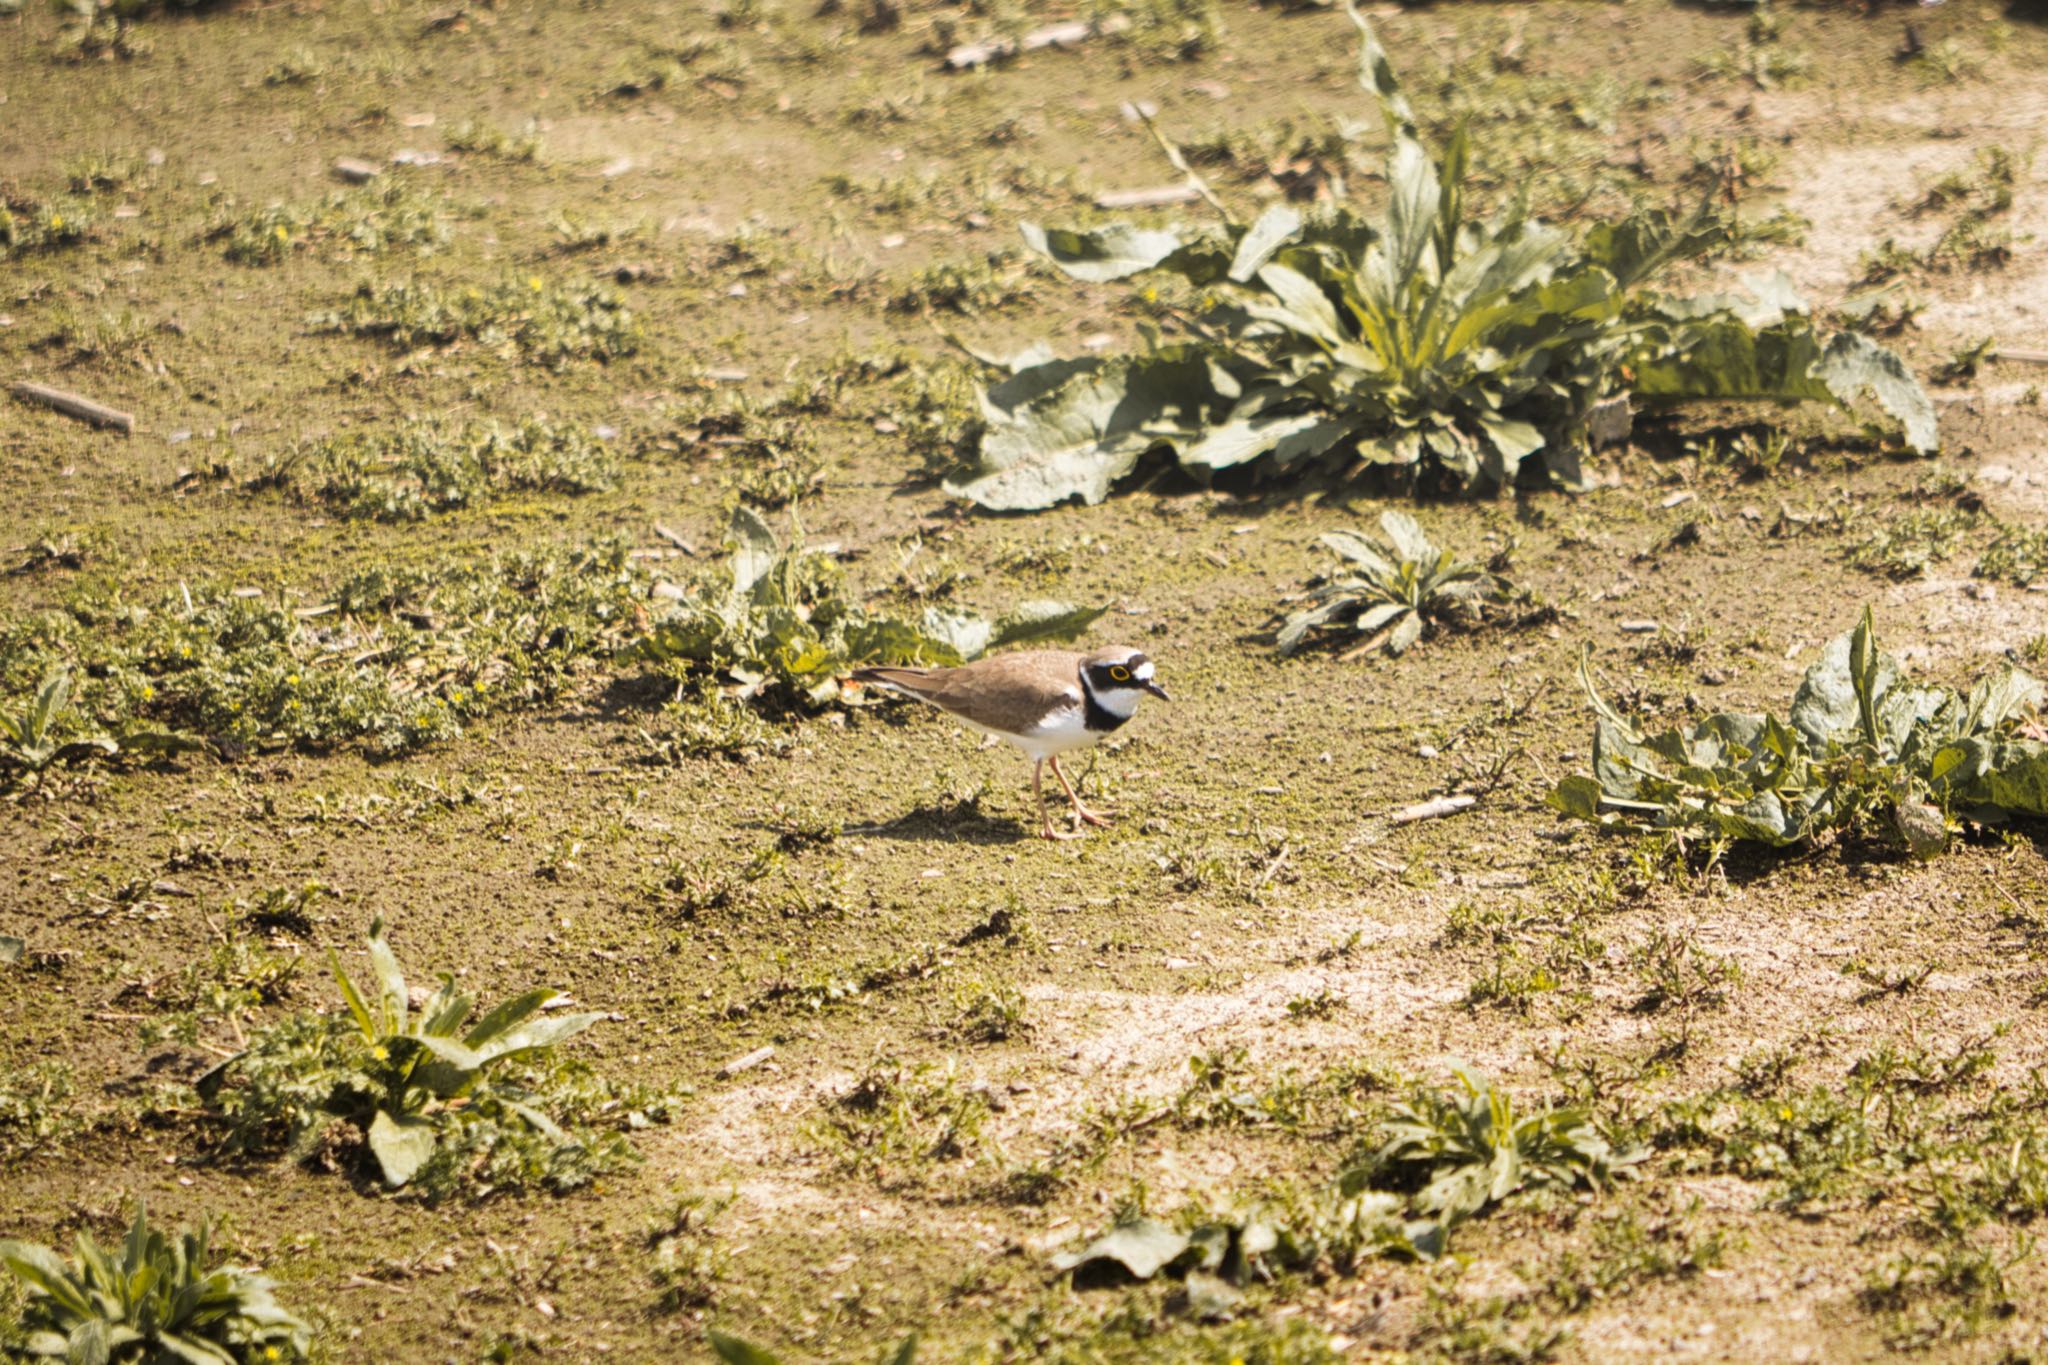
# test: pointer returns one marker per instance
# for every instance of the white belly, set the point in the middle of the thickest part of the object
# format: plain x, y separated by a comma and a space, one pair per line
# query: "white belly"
1061, 732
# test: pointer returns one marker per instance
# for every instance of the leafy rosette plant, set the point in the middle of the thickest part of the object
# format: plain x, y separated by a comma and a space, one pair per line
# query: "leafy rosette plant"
779, 621
1460, 350
1463, 1152
415, 1081
1389, 591
1858, 741
156, 1300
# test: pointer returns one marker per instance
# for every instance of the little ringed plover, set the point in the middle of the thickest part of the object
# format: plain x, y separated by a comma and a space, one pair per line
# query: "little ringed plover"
1047, 702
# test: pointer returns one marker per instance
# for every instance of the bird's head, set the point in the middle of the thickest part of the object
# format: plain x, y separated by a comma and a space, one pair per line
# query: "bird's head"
1116, 677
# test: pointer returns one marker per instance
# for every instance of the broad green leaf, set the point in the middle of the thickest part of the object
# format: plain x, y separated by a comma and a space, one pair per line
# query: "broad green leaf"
91, 1343
538, 1033
401, 1145
1142, 1247
507, 1013
1242, 439
1104, 254
1359, 550
51, 699
356, 1005
935, 640
1514, 440
11, 949
1406, 632
1577, 795
445, 1011
1303, 305
453, 1053
904, 1354
390, 980
1406, 536
1272, 230
1413, 195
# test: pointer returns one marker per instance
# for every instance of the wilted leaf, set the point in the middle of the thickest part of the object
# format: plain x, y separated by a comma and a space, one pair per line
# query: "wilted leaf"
1101, 255
1074, 442
1854, 364
1141, 1246
754, 549
1211, 1298
1030, 622
401, 1145
10, 949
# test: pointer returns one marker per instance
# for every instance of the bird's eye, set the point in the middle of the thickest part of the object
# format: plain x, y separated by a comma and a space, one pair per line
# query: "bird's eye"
1119, 673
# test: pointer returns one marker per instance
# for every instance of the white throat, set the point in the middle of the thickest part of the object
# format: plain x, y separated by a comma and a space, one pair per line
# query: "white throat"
1121, 703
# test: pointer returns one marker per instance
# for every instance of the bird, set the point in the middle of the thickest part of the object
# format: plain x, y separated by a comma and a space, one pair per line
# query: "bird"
1047, 702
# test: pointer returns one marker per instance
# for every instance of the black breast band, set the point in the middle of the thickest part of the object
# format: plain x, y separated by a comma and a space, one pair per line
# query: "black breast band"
1097, 717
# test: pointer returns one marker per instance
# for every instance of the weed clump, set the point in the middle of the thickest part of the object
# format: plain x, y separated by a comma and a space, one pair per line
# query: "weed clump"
28, 226
154, 1298
477, 138
1861, 743
529, 319
392, 658
442, 1099
38, 1111
1391, 591
427, 466
1437, 346
346, 224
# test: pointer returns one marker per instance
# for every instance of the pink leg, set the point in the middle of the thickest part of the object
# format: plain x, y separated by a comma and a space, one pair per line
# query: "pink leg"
1046, 831
1081, 812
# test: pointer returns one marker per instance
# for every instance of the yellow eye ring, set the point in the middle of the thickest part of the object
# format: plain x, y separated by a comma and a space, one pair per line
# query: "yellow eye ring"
1119, 673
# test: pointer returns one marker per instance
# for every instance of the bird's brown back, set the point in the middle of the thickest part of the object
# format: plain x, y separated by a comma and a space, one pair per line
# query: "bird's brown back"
1006, 692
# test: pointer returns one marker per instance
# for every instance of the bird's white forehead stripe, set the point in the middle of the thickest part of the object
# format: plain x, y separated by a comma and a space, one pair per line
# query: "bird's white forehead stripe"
1143, 672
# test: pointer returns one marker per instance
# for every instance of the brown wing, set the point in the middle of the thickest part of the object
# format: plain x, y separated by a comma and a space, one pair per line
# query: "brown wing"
1007, 692
1011, 691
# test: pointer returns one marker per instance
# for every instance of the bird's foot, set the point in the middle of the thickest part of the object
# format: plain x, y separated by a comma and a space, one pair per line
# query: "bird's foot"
1051, 833
1101, 819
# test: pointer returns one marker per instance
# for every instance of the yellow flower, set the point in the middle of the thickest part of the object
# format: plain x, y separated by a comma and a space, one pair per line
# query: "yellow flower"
184, 651
56, 221
381, 1053
282, 235
292, 705
291, 680
148, 692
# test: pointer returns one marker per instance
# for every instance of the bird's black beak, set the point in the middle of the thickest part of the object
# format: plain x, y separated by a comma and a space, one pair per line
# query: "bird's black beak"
1155, 689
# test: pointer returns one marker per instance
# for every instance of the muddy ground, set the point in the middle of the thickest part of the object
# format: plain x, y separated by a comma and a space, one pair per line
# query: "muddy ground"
766, 201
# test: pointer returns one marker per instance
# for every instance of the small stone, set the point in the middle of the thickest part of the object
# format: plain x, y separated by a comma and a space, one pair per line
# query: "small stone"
355, 170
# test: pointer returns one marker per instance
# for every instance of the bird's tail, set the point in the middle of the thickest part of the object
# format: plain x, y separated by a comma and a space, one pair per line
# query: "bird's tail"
915, 682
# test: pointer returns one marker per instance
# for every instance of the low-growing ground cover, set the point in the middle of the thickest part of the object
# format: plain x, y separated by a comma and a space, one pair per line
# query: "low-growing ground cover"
474, 592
